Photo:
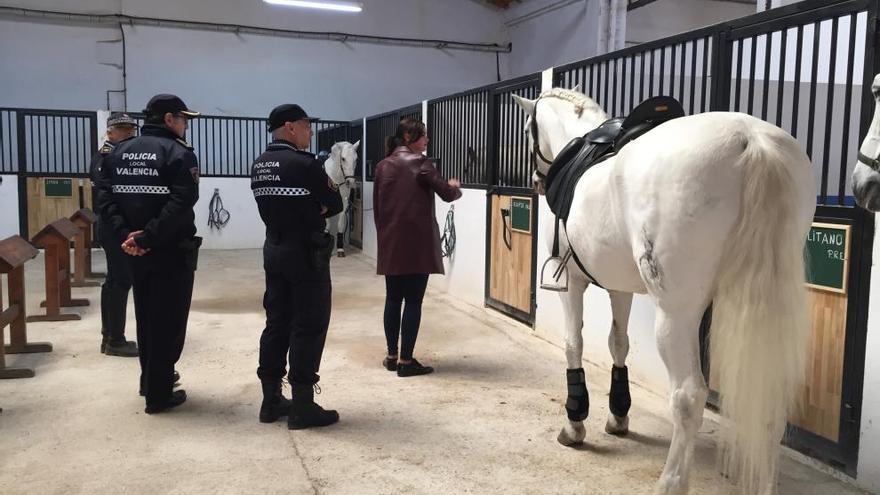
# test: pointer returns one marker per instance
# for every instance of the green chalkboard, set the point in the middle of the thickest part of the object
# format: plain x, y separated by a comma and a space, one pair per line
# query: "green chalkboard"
521, 214
58, 188
827, 257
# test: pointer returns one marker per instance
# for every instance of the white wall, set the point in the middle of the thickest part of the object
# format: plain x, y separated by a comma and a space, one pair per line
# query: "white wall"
869, 441
564, 35
245, 229
466, 270
369, 232
62, 66
54, 66
9, 206
669, 17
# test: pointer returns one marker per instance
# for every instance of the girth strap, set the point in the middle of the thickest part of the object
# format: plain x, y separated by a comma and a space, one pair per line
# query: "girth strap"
555, 252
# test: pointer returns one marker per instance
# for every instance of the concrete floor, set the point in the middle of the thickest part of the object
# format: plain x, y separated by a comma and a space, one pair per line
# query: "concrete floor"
485, 422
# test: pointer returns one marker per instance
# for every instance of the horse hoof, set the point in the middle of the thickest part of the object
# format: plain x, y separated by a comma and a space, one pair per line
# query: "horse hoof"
572, 435
617, 425
340, 254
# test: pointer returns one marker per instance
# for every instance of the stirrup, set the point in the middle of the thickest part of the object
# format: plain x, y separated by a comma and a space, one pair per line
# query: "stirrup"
559, 279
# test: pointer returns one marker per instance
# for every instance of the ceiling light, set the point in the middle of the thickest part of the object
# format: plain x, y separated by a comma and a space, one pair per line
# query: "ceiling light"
337, 6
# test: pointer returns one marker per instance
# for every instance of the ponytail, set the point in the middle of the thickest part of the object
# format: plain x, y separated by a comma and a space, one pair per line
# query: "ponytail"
415, 128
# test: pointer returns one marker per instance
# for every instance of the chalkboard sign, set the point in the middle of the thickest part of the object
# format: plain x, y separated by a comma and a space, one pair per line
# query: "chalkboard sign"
827, 257
521, 214
58, 188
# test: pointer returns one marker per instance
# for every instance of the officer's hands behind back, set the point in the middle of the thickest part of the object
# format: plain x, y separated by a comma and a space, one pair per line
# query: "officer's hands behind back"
130, 245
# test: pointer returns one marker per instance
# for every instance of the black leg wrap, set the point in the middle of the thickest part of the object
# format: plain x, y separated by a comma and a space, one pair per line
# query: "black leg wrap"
619, 400
578, 404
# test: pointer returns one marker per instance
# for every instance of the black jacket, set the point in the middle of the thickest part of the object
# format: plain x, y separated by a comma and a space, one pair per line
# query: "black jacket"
150, 183
290, 187
95, 171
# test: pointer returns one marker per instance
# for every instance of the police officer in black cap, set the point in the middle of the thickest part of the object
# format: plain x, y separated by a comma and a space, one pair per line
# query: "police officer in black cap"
114, 290
147, 195
294, 197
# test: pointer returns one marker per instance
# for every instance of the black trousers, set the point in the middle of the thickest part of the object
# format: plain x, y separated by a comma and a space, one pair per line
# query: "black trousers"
163, 285
400, 289
115, 289
297, 303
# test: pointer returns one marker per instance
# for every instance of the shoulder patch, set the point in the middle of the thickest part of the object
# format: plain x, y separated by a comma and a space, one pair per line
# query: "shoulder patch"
105, 150
183, 143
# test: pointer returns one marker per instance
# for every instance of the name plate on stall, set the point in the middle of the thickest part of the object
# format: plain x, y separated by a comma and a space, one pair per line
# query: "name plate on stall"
58, 188
521, 214
827, 257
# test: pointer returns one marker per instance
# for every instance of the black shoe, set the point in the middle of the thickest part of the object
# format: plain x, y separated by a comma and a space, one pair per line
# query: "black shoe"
304, 413
175, 378
389, 363
275, 405
414, 368
177, 398
122, 348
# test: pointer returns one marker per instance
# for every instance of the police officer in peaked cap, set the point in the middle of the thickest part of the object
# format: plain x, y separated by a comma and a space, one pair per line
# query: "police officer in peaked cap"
117, 284
148, 188
294, 196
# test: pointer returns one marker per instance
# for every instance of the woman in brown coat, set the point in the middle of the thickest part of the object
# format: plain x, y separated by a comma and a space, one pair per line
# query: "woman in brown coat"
408, 237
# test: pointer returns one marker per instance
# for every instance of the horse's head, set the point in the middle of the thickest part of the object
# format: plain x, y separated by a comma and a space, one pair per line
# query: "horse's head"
344, 157
554, 119
866, 176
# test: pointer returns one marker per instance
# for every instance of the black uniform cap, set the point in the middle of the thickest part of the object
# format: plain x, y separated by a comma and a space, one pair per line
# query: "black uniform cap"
120, 118
288, 112
159, 105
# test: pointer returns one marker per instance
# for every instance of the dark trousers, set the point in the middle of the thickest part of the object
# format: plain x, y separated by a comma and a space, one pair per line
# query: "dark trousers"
411, 290
297, 303
163, 285
114, 290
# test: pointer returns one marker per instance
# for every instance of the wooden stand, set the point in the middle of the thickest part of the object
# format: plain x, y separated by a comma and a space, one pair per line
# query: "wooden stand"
55, 240
14, 252
82, 249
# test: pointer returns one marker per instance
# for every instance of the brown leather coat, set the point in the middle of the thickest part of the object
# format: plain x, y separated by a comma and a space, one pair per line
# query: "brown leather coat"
403, 207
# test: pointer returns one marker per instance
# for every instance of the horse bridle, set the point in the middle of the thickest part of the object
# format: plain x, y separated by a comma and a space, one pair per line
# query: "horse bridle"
536, 146
873, 163
344, 177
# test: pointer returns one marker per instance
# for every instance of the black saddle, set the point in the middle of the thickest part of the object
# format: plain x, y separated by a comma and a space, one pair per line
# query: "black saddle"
599, 144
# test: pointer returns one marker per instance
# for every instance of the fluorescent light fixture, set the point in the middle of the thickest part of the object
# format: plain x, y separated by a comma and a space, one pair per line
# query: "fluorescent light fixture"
337, 6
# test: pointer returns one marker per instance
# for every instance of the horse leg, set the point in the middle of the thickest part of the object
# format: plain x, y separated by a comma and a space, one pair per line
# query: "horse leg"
618, 342
341, 225
677, 334
577, 405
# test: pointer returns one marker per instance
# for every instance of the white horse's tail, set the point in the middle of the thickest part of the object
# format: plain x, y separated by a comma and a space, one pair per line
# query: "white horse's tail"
760, 326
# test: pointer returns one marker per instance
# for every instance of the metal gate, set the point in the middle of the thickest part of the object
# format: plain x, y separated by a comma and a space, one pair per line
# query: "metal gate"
511, 205
379, 128
808, 69
50, 151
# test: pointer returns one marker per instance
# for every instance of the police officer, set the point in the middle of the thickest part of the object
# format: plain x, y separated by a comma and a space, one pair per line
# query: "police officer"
114, 290
294, 197
148, 189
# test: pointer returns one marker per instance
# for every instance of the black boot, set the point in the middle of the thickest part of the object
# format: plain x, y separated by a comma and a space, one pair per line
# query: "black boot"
274, 404
304, 413
123, 348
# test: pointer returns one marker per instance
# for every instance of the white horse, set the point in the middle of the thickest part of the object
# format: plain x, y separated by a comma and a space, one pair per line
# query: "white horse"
866, 175
340, 167
707, 208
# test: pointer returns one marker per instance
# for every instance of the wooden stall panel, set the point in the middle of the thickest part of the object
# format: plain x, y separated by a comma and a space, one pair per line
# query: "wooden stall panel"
511, 269
51, 198
821, 395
